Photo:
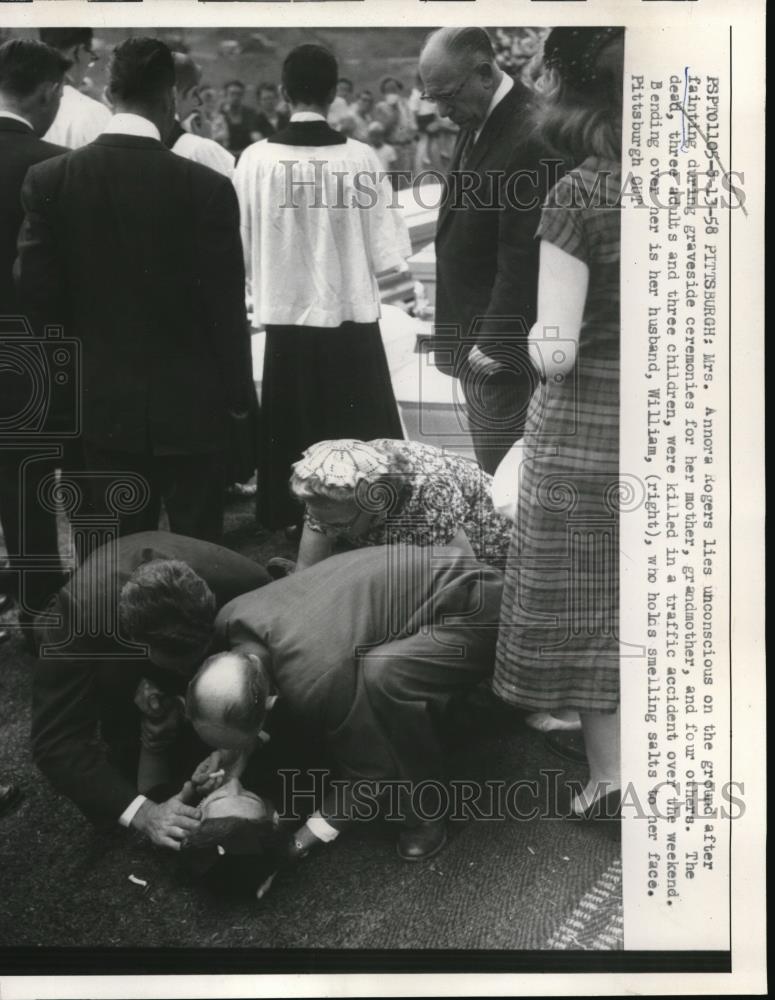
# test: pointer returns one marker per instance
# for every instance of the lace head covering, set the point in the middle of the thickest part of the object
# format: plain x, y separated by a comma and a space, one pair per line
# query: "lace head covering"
342, 464
574, 52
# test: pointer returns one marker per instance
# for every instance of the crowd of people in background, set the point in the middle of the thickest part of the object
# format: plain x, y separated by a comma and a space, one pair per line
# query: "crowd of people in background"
405, 130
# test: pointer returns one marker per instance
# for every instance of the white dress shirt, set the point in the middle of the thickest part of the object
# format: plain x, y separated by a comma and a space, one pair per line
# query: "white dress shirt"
16, 118
307, 261
128, 124
80, 119
501, 90
206, 151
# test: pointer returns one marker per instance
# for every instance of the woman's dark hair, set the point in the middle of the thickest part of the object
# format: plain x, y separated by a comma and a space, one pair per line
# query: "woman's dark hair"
310, 73
578, 106
187, 74
141, 70
65, 38
166, 605
25, 64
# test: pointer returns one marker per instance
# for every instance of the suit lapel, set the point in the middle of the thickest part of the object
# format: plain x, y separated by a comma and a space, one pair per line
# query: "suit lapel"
449, 181
510, 107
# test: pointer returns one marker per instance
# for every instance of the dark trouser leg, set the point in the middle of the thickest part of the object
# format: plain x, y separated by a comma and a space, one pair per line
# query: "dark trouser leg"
192, 487
106, 468
496, 417
402, 687
318, 384
30, 530
410, 681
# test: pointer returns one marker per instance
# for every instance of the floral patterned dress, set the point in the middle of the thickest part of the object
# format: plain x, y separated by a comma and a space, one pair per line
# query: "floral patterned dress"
428, 497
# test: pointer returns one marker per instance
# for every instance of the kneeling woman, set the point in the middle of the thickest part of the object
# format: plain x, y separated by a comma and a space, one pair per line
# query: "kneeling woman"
360, 493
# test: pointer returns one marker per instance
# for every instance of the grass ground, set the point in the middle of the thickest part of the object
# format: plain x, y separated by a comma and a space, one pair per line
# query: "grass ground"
502, 884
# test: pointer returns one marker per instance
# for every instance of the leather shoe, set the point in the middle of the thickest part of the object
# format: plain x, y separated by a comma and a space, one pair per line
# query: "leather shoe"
566, 744
279, 567
419, 843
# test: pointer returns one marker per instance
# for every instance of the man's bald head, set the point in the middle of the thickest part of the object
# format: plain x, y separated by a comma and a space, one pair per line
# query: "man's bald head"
460, 44
226, 700
459, 72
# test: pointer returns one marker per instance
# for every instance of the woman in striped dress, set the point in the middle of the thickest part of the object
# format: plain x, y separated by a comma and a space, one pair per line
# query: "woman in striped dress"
558, 646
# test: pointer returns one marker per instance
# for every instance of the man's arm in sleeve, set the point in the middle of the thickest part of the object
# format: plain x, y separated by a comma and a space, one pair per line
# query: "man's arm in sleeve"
222, 273
39, 269
65, 718
511, 310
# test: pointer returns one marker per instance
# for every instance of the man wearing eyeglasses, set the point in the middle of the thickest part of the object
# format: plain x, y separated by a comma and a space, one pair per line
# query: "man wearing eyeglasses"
80, 119
486, 251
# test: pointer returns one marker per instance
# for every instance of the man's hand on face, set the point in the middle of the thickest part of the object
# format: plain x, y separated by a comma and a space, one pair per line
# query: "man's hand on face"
216, 769
167, 824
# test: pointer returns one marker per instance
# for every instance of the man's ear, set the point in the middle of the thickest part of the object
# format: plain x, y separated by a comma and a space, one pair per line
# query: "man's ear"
284, 94
49, 93
486, 75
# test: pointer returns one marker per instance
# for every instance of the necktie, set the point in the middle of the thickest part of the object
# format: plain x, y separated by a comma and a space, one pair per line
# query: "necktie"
465, 149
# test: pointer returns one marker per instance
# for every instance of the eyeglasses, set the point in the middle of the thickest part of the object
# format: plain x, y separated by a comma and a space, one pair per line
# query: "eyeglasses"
447, 98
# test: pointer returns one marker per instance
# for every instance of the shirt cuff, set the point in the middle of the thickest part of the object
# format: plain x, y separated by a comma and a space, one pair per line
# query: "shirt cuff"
321, 828
126, 817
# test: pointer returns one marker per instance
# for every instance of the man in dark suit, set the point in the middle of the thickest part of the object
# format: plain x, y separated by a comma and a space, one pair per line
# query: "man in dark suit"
142, 606
486, 251
366, 649
136, 252
31, 77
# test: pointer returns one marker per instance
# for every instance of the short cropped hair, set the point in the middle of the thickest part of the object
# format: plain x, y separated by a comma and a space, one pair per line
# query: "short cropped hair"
265, 87
25, 64
247, 710
141, 70
187, 74
469, 45
65, 38
310, 74
234, 83
166, 605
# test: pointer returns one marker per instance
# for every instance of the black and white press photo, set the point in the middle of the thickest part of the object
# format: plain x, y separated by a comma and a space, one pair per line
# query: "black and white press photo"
317, 500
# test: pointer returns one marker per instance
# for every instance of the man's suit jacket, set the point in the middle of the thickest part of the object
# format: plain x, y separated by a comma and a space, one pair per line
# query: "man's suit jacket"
90, 690
136, 252
20, 149
318, 624
487, 257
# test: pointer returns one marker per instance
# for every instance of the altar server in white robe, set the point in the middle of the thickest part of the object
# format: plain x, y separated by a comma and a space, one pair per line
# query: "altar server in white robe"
318, 224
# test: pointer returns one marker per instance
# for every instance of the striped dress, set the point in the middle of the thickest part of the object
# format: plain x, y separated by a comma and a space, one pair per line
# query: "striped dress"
558, 645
